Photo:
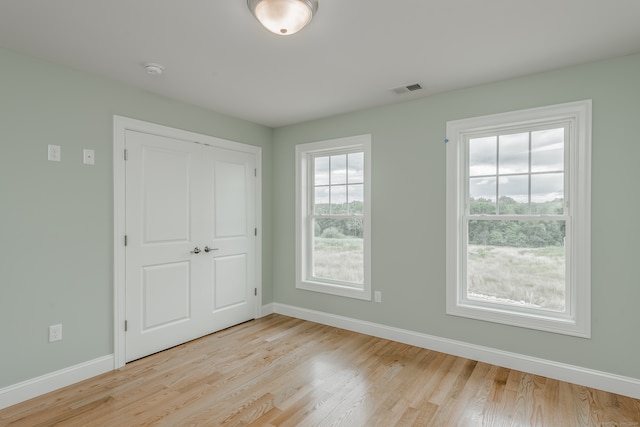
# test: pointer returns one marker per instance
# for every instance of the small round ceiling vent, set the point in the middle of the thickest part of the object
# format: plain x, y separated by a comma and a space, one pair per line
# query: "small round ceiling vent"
153, 69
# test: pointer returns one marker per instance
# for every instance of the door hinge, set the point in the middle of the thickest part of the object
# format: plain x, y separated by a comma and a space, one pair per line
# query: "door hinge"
126, 154
126, 325
255, 291
255, 231
125, 240
255, 172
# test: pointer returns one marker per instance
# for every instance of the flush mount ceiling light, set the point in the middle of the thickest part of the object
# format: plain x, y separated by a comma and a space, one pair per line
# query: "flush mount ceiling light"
283, 17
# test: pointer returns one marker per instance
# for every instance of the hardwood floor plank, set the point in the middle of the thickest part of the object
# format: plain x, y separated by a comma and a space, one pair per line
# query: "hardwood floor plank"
279, 371
551, 398
459, 407
472, 404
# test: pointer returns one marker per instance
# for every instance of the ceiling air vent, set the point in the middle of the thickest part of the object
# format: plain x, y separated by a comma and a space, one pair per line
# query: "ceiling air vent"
408, 88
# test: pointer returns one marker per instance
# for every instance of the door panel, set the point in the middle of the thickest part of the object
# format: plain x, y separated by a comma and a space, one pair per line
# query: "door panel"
182, 195
230, 201
230, 280
163, 278
165, 188
233, 236
165, 294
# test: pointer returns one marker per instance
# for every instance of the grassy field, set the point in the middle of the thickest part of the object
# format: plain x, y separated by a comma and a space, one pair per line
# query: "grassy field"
532, 277
339, 259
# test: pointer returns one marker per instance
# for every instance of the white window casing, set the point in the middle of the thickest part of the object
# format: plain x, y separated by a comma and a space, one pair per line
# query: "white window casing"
306, 216
575, 118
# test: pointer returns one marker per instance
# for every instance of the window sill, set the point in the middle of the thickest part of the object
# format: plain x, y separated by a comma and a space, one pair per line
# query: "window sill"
556, 323
363, 292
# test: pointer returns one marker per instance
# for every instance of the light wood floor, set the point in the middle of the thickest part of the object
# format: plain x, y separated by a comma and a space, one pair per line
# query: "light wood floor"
279, 371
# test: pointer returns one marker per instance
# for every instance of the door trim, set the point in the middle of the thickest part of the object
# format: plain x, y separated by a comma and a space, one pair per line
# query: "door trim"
120, 126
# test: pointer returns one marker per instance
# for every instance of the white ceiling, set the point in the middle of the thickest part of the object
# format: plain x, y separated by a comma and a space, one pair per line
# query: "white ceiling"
353, 53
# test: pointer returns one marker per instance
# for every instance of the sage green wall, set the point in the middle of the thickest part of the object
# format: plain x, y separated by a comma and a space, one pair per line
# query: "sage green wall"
408, 218
56, 219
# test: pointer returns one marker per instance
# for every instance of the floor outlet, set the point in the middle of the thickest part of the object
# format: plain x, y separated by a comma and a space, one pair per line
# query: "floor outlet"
55, 333
377, 296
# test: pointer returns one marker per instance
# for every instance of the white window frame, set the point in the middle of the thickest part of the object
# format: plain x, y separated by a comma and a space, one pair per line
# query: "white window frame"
304, 238
576, 319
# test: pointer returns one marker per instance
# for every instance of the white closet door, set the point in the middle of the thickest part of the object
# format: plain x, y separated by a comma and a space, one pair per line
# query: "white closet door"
184, 278
233, 261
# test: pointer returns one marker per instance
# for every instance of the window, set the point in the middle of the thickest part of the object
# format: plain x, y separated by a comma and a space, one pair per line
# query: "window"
518, 218
333, 216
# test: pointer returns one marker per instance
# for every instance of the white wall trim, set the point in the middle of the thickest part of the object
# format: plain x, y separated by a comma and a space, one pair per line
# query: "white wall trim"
560, 371
266, 310
34, 387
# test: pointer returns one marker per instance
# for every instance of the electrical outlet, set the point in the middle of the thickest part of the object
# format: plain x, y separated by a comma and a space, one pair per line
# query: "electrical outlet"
55, 333
377, 296
54, 153
88, 157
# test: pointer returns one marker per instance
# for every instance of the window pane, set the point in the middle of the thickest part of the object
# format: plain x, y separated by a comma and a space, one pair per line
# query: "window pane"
482, 196
339, 169
338, 199
356, 168
321, 171
547, 194
321, 200
356, 198
518, 263
547, 150
513, 192
482, 156
514, 153
338, 250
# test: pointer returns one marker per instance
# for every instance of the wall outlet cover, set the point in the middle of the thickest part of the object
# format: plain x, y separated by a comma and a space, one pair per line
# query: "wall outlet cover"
55, 333
54, 153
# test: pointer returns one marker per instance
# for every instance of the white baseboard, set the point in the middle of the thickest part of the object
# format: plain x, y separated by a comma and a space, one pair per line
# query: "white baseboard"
266, 310
560, 371
29, 389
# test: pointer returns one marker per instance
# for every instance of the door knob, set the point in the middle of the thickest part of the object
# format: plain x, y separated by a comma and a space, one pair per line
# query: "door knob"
207, 249
196, 250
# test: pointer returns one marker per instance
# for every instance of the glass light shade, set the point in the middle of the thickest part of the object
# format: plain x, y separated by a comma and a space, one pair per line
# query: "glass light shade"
283, 17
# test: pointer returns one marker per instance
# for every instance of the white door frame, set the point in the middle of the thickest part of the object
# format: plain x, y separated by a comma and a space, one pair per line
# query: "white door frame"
120, 126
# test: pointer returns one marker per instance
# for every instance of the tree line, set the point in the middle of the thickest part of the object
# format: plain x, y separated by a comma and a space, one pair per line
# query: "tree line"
332, 228
525, 234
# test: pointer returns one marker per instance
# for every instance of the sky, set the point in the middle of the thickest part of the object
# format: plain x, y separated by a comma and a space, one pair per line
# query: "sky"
339, 179
505, 166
